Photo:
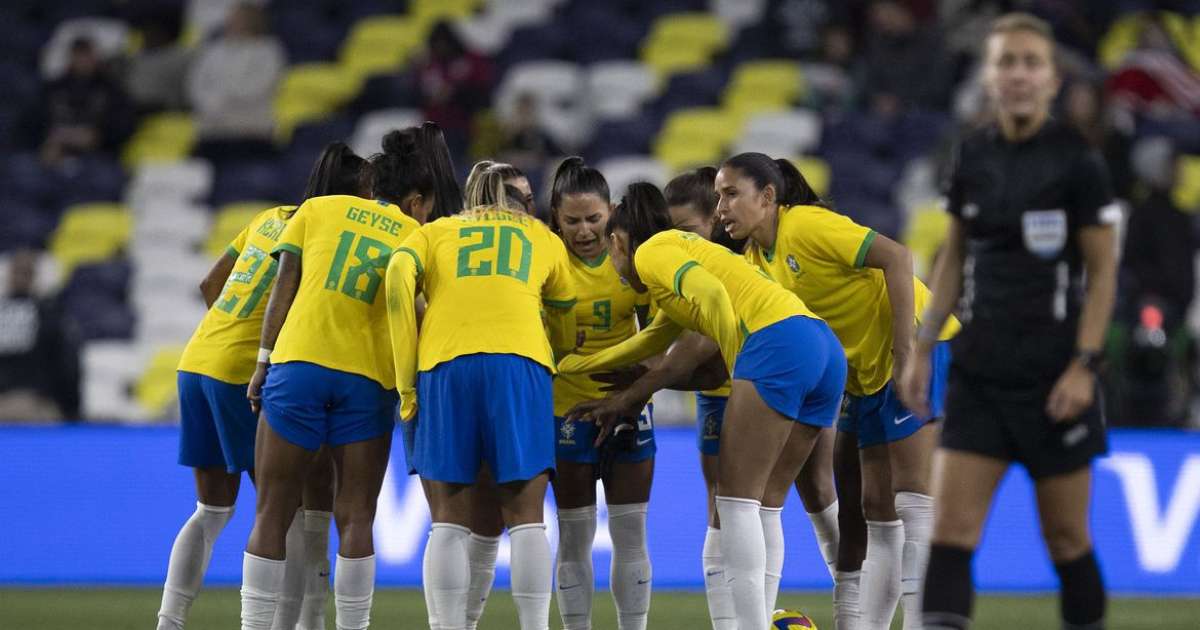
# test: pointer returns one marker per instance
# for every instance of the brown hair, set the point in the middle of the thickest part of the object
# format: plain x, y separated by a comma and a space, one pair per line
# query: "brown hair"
1022, 22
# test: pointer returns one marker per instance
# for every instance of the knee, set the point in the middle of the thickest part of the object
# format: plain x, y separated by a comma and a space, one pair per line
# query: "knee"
957, 529
879, 504
1066, 541
354, 513
627, 527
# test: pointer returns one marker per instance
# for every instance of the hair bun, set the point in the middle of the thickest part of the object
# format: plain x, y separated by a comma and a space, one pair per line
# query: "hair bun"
401, 142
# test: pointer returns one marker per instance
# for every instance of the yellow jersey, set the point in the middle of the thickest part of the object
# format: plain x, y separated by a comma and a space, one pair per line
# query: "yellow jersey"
225, 345
698, 285
819, 256
606, 314
338, 318
486, 275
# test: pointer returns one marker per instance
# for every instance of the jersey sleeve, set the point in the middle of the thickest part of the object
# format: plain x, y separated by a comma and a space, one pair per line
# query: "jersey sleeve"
558, 295
1091, 193
238, 244
400, 282
712, 305
292, 238
828, 236
652, 340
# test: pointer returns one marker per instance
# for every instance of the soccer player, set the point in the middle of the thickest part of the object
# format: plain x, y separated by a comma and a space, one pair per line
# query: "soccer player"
478, 382
217, 437
861, 284
512, 176
325, 374
790, 370
608, 312
1031, 253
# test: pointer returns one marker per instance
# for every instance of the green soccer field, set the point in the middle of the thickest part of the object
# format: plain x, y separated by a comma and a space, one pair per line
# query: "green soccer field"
217, 609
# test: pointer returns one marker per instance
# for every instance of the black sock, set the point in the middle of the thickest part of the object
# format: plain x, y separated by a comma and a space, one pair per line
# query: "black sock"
1082, 598
949, 592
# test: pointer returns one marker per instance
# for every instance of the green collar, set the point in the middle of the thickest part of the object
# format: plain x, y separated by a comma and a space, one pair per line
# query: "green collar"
769, 254
595, 262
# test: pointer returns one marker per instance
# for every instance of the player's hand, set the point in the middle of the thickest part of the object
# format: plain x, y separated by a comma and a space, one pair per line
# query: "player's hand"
1072, 394
913, 383
620, 378
254, 390
605, 413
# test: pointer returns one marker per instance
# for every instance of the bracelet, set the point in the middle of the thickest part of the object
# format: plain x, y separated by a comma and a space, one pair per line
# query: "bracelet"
264, 355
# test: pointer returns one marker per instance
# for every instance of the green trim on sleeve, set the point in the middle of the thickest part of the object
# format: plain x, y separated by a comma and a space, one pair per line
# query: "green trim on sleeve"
861, 257
415, 257
233, 252
560, 304
679, 273
745, 331
287, 247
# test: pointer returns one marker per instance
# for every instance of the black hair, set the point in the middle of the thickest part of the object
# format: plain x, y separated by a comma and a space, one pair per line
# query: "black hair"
642, 213
697, 188
337, 171
416, 159
516, 199
791, 189
574, 177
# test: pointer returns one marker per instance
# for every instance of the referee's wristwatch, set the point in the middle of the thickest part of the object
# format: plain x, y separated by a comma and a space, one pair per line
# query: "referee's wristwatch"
1089, 360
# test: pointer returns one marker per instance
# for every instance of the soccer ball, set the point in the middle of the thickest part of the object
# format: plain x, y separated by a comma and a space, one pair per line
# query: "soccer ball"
791, 620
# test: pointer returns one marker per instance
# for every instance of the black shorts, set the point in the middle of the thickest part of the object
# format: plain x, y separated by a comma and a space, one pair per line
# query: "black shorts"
1011, 424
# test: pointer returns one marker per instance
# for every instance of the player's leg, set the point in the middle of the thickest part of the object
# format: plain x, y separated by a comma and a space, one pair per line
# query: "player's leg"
963, 485
575, 495
779, 484
1063, 502
449, 578
815, 485
910, 480
486, 527
216, 491
880, 581
313, 526
627, 491
522, 503
852, 526
716, 589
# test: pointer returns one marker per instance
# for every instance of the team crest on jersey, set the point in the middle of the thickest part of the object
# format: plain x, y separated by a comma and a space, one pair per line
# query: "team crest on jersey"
568, 432
792, 263
1044, 231
711, 432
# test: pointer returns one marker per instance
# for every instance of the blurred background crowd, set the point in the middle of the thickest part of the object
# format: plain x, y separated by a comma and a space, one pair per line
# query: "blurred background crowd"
137, 137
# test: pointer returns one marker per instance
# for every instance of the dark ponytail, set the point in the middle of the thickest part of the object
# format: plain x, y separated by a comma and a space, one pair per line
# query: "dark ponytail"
698, 189
791, 189
642, 213
337, 171
416, 159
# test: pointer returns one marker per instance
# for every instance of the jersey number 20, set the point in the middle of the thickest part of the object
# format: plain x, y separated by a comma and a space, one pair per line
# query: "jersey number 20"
500, 260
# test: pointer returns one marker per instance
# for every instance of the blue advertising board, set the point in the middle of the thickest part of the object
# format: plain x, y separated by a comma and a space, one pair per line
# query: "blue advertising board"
102, 505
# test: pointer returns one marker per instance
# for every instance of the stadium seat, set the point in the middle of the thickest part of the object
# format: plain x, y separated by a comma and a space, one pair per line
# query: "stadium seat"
165, 137
311, 92
694, 137
247, 179
155, 389
372, 126
485, 33
109, 35
777, 134
739, 13
683, 41
181, 223
229, 221
624, 170
380, 44
1186, 192
185, 180
109, 368
779, 78
89, 233
618, 89
561, 94
815, 171
427, 12
924, 234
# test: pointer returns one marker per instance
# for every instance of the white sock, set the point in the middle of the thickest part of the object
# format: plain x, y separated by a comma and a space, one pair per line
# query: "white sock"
189, 561
916, 511
845, 600
772, 527
630, 573
316, 569
481, 556
825, 526
427, 589
880, 585
287, 612
576, 578
449, 574
262, 579
531, 575
745, 554
353, 590
716, 589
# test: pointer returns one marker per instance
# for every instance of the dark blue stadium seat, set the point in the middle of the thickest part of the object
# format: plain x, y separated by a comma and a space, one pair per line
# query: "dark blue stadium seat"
240, 180
622, 137
692, 89
93, 178
308, 35
598, 33
310, 138
27, 179
25, 225
385, 91
100, 317
105, 279
533, 43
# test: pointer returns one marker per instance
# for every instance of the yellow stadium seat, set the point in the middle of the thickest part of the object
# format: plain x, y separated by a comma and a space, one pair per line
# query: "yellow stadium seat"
815, 172
776, 77
1121, 38
743, 105
380, 43
702, 123
925, 233
678, 153
699, 30
90, 232
310, 92
1185, 34
426, 12
155, 389
229, 221
165, 137
667, 59
1186, 193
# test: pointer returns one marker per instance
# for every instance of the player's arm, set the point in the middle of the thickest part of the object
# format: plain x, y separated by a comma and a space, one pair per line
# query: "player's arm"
558, 297
653, 340
283, 294
896, 262
400, 283
211, 285
687, 366
946, 287
713, 308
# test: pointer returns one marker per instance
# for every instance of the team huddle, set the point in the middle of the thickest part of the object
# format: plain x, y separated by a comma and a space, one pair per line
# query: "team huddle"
515, 353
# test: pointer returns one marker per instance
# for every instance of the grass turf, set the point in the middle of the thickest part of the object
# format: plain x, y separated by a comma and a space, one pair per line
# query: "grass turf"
134, 609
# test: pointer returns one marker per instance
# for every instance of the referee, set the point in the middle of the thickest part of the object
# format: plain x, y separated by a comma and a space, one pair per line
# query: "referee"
1032, 215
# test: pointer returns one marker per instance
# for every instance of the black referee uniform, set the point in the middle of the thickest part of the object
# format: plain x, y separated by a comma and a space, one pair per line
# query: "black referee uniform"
1021, 205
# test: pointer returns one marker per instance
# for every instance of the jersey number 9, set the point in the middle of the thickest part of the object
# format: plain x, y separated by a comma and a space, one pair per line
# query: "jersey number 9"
372, 257
492, 256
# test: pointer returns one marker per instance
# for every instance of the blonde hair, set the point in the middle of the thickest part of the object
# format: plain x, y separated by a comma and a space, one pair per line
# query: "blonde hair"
1020, 22
487, 189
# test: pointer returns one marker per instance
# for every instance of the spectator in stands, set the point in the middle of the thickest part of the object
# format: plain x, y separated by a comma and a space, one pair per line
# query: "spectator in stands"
155, 76
454, 83
39, 359
828, 76
1154, 80
82, 112
1086, 110
526, 144
906, 65
232, 87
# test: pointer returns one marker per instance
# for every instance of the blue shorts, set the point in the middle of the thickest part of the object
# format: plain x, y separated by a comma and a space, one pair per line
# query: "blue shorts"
798, 367
710, 415
575, 440
408, 437
217, 426
310, 405
497, 408
882, 419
